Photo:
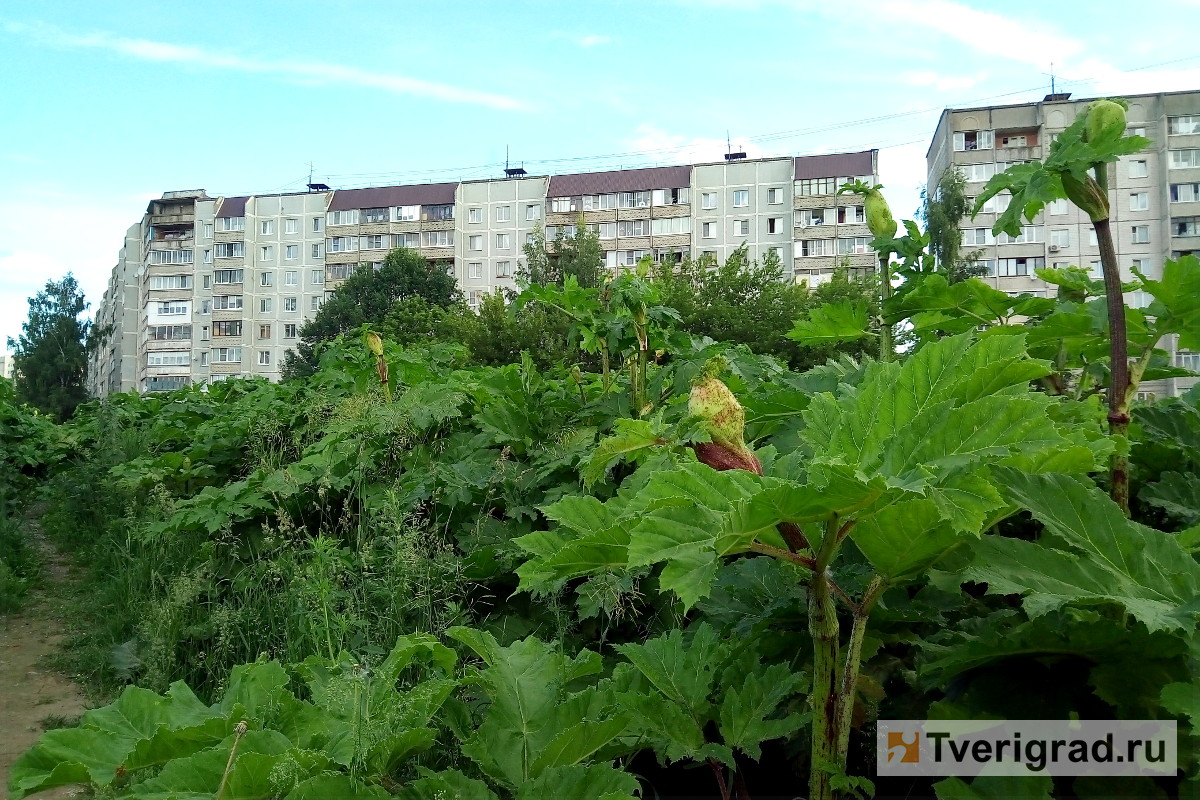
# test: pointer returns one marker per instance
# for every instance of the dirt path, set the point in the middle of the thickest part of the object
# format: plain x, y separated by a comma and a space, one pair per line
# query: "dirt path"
30, 694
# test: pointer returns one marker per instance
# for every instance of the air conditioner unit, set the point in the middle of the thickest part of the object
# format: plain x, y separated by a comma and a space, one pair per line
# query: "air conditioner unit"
1053, 248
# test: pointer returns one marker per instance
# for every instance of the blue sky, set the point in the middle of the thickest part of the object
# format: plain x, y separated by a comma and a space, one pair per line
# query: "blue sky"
105, 105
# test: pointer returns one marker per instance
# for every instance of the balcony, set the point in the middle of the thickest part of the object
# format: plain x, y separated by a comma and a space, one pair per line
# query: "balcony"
176, 217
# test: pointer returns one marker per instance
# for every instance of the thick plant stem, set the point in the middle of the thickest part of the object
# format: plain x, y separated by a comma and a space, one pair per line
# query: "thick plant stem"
853, 664
885, 289
823, 627
1118, 388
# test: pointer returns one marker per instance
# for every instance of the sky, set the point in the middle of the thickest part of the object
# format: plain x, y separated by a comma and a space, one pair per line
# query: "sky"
105, 105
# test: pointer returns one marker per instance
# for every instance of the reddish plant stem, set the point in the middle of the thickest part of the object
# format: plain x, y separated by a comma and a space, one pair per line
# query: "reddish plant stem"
1118, 387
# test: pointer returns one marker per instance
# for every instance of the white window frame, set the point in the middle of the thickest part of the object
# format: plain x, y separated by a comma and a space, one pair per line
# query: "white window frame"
742, 195
474, 216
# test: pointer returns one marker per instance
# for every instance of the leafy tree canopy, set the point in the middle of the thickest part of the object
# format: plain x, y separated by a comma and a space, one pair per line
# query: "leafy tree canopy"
943, 209
50, 355
368, 297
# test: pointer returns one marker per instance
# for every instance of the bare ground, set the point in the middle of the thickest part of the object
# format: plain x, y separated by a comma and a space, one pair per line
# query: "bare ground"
30, 694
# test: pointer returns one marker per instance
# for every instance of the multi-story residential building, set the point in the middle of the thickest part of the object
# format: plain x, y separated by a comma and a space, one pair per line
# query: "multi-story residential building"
1154, 195
209, 287
6, 366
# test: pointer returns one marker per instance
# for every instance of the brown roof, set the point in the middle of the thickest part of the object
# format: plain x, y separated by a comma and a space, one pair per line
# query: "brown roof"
232, 207
623, 180
835, 165
425, 194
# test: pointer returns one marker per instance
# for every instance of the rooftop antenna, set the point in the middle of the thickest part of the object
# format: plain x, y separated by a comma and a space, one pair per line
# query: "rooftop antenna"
315, 187
512, 172
729, 154
1052, 89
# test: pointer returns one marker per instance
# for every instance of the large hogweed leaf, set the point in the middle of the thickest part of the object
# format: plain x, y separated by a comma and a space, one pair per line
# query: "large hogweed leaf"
1089, 554
538, 719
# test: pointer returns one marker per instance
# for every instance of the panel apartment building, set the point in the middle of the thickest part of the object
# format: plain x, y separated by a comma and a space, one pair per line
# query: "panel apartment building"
1154, 195
211, 287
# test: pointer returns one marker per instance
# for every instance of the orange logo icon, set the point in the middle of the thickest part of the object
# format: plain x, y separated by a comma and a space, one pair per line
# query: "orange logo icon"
903, 748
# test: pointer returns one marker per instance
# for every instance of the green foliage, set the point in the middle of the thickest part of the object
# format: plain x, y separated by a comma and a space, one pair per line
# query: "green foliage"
572, 254
369, 297
943, 209
50, 355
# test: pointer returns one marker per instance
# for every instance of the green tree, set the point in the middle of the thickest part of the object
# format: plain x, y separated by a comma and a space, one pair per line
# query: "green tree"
50, 356
942, 212
579, 255
368, 297
498, 334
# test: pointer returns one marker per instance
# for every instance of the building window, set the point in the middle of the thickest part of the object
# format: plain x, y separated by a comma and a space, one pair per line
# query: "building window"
1029, 233
1183, 125
607, 230
741, 227
170, 281
291, 252
231, 249
265, 305
816, 186
1138, 169
266, 279
204, 334
816, 247
231, 327
1141, 234
533, 212
264, 331
1185, 226
408, 213
227, 276
412, 241
1015, 267
1092, 237
289, 330
204, 358
503, 269
231, 223
670, 225
562, 205
777, 252
342, 244
708, 200
1139, 201
264, 358
226, 355
774, 224
474, 215
227, 302
316, 225
1185, 192
851, 215
267, 227
973, 140
854, 245
316, 251
633, 227
503, 213
1060, 237
291, 226
316, 276
814, 216
374, 242
503, 241
291, 277
208, 230
314, 303
475, 244
347, 217
438, 238
375, 215
290, 304
208, 256
709, 230
172, 308
266, 254
1184, 159
1057, 207
475, 270
205, 306
741, 198
1141, 265
633, 199
207, 281
168, 358
170, 256
774, 196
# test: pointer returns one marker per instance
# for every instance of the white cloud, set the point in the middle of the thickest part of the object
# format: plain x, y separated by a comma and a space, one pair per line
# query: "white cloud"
902, 173
665, 146
1031, 41
592, 40
1109, 80
34, 232
315, 72
943, 83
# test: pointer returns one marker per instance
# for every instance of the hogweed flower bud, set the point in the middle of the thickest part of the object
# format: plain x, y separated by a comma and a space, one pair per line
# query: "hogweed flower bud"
1105, 120
1087, 194
879, 216
724, 420
374, 343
